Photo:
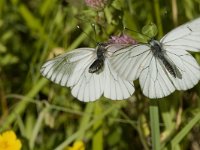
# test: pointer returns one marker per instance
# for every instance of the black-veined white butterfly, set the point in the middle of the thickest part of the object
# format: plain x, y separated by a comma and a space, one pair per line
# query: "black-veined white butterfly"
162, 66
89, 74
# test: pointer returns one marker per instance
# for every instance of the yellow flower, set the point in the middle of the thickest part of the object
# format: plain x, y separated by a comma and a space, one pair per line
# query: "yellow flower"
9, 141
78, 145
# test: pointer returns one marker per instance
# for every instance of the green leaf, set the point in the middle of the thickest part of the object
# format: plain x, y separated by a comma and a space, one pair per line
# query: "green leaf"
150, 30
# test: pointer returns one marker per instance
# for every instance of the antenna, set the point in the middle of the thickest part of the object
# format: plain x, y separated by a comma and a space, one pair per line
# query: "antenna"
95, 33
86, 33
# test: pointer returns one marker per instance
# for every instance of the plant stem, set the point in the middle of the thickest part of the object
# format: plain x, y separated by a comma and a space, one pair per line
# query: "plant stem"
154, 123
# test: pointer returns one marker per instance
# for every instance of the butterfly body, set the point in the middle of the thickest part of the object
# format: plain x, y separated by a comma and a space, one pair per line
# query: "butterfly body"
98, 64
169, 67
156, 47
159, 53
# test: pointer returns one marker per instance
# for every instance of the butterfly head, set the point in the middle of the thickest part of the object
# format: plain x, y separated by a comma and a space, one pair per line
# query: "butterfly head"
101, 45
155, 45
153, 42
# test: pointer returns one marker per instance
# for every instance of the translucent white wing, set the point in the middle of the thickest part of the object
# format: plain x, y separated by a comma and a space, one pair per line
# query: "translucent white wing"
115, 87
157, 82
112, 48
185, 37
188, 67
90, 86
66, 69
128, 62
72, 70
154, 79
138, 61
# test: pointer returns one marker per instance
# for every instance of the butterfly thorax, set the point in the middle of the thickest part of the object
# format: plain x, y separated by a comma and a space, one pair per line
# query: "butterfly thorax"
158, 52
98, 64
156, 47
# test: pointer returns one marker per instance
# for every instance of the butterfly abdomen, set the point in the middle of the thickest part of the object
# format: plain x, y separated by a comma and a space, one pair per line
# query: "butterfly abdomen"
158, 52
96, 66
168, 66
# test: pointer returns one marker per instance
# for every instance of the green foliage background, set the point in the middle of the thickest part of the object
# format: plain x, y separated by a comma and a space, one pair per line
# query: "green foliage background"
45, 116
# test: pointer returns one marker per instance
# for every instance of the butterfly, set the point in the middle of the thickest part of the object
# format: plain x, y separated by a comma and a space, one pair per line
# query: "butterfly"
89, 74
162, 66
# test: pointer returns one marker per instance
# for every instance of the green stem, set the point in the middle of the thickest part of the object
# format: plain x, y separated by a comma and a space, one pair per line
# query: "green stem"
154, 123
97, 140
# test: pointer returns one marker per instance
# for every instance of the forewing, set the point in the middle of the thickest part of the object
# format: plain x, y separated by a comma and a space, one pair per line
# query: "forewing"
154, 78
128, 62
67, 68
184, 37
115, 87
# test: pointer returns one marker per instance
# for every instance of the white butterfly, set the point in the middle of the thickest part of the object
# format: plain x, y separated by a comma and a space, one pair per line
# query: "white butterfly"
162, 66
89, 74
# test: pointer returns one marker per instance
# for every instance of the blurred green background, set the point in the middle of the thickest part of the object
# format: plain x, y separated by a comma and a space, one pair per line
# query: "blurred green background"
46, 116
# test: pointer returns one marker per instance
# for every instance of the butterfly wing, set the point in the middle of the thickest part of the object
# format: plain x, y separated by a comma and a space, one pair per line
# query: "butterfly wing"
89, 87
128, 61
66, 69
185, 37
72, 70
154, 78
188, 67
92, 85
116, 88
157, 82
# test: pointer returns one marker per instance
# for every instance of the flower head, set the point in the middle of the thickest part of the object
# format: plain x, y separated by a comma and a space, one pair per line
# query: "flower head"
96, 4
9, 141
78, 145
122, 39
